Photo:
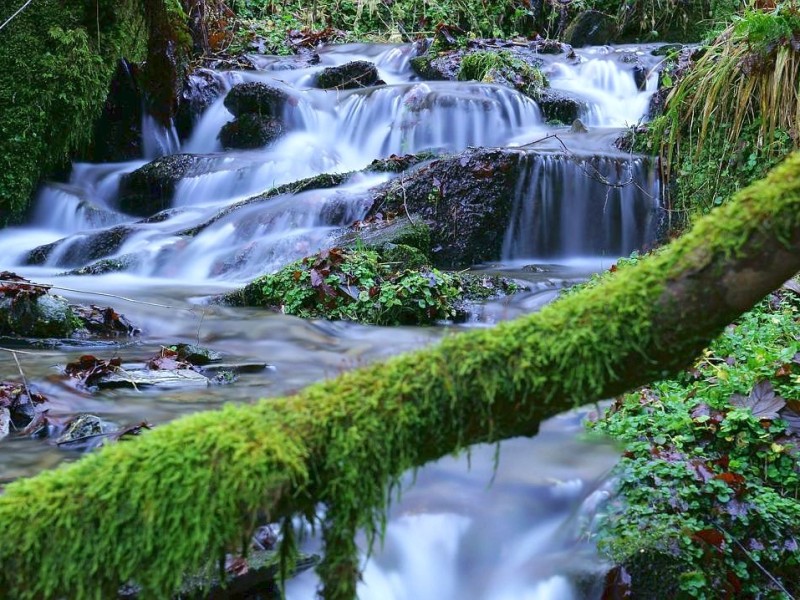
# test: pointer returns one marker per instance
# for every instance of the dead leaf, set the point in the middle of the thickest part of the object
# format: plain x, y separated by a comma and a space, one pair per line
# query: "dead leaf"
763, 402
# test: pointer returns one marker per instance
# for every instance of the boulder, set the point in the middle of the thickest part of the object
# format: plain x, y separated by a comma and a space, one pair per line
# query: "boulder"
249, 131
591, 28
465, 200
37, 316
438, 67
82, 248
559, 107
352, 75
149, 189
256, 98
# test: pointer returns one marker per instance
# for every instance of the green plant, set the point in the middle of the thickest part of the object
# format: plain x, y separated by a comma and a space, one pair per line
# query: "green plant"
709, 473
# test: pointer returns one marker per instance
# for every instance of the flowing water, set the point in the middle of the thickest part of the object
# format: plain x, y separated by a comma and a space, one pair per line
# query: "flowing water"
463, 529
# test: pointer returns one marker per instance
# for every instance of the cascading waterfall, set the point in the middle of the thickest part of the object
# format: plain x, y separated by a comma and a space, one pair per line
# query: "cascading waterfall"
571, 206
582, 199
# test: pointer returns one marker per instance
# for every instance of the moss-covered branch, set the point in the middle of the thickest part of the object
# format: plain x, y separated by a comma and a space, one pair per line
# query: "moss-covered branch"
171, 502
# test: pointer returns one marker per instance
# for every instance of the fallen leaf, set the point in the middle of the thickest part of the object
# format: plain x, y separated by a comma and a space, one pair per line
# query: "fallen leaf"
763, 402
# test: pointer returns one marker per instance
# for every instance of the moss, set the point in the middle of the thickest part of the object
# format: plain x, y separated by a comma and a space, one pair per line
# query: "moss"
175, 498
55, 67
503, 67
56, 62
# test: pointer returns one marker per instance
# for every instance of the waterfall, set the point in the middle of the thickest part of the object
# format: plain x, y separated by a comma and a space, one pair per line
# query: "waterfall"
570, 206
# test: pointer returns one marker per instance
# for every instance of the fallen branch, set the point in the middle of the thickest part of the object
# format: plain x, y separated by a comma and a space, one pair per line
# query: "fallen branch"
173, 501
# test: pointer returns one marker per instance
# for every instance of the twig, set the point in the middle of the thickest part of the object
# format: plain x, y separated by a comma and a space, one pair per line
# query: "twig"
769, 575
104, 294
19, 10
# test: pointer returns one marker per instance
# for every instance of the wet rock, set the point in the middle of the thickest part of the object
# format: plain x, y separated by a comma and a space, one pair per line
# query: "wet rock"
134, 378
201, 89
578, 127
43, 316
249, 131
591, 28
80, 249
393, 164
438, 67
559, 107
149, 189
256, 98
19, 406
640, 77
352, 75
103, 321
83, 428
235, 368
108, 265
465, 200
547, 46
196, 355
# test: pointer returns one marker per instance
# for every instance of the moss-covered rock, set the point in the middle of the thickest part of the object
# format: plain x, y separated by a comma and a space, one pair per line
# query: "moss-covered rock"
37, 316
591, 28
559, 107
393, 286
352, 75
249, 131
57, 59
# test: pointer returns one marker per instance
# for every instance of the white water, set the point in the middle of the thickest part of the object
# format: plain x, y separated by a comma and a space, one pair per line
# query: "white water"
453, 535
329, 131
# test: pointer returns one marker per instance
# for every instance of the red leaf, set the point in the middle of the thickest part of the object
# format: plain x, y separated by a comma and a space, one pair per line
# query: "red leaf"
712, 537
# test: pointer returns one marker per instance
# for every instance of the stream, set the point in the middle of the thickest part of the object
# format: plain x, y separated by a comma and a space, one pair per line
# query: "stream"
462, 528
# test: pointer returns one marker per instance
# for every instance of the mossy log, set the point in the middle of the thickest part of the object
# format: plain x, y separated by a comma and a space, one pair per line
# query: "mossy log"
172, 501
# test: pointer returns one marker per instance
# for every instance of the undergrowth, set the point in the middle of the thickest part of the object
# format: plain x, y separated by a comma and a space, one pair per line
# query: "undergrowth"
735, 114
393, 287
709, 473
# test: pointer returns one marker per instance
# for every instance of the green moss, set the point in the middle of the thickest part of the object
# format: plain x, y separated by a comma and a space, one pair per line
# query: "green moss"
55, 67
56, 62
173, 500
503, 67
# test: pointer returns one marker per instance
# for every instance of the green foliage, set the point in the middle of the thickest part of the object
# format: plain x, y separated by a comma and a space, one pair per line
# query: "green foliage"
175, 499
502, 66
56, 62
711, 477
376, 20
395, 286
673, 20
734, 115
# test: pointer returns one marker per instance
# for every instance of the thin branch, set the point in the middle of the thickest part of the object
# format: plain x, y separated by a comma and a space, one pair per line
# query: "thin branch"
19, 10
